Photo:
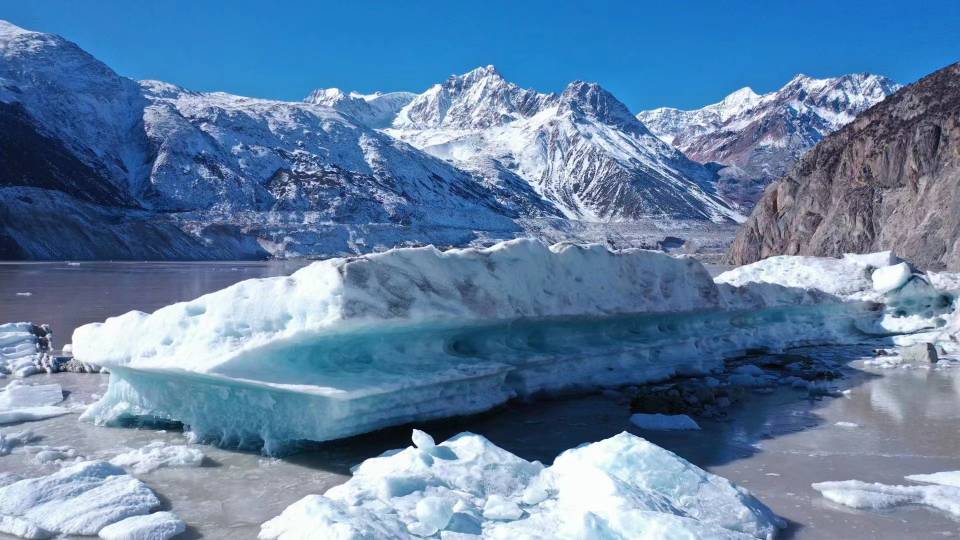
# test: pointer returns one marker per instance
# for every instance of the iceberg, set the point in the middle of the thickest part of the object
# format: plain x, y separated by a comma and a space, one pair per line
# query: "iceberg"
346, 346
664, 422
23, 348
467, 487
943, 493
158, 455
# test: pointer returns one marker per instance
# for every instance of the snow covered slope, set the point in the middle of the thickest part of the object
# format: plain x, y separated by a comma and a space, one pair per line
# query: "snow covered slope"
582, 150
346, 346
196, 175
467, 487
758, 137
375, 110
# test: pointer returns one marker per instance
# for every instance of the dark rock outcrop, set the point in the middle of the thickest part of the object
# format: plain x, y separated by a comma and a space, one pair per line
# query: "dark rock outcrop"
888, 180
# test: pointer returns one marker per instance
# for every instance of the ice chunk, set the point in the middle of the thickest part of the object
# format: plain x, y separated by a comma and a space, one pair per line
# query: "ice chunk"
18, 394
9, 441
77, 500
156, 526
946, 478
23, 348
872, 260
839, 277
423, 440
890, 278
873, 496
664, 422
157, 455
622, 487
847, 424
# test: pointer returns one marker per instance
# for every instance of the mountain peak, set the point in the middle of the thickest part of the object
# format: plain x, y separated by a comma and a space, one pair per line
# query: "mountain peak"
591, 99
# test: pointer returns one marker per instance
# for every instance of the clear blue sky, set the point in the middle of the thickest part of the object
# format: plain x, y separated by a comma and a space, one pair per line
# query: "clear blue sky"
676, 53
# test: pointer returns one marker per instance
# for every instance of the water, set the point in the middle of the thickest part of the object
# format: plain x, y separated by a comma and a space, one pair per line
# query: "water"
775, 445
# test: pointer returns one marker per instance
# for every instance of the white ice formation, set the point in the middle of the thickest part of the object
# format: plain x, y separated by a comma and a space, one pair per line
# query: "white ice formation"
466, 487
346, 346
941, 492
664, 422
156, 526
21, 348
80, 499
158, 455
20, 402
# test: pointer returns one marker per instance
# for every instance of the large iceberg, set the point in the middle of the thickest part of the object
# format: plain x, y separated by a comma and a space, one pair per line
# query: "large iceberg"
350, 345
621, 487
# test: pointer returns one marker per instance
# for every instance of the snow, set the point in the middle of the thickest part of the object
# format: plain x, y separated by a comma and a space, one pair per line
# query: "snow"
158, 455
79, 499
21, 402
622, 487
347, 346
664, 422
156, 526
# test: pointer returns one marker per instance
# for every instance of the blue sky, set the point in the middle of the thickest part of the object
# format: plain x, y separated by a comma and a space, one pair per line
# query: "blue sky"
649, 54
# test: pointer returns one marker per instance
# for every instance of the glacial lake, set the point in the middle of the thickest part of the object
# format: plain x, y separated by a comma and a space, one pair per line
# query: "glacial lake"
773, 444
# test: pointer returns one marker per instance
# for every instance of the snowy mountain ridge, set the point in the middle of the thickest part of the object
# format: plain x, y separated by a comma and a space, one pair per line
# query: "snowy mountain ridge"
581, 150
758, 137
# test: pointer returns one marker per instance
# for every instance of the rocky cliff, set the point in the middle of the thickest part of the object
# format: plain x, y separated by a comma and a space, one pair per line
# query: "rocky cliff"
888, 180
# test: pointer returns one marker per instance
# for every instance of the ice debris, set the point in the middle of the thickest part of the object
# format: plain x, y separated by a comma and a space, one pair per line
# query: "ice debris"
158, 455
664, 422
346, 346
80, 499
466, 487
156, 526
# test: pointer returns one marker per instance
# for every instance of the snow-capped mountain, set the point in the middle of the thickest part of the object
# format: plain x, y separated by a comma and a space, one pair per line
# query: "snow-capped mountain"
161, 156
758, 137
375, 110
582, 150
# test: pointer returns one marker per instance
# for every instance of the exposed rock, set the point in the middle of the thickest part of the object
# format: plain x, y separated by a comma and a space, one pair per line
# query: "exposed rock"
890, 180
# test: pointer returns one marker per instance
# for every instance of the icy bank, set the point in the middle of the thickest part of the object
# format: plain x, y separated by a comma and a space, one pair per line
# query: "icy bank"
466, 487
346, 346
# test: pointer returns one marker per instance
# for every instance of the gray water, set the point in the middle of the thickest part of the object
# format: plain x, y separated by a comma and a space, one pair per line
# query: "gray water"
773, 444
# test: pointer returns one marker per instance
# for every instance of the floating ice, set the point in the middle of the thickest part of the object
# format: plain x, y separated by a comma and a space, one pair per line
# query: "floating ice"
622, 487
156, 526
946, 478
847, 424
346, 346
21, 402
664, 422
77, 500
873, 496
158, 455
890, 278
11, 440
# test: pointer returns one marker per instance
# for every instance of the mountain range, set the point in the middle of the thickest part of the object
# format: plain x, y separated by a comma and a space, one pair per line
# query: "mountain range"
95, 165
757, 138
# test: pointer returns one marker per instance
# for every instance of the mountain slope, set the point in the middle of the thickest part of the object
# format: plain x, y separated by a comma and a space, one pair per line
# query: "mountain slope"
758, 137
582, 150
205, 165
888, 180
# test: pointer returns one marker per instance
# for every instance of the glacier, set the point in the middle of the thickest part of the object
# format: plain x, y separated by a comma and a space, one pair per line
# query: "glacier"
467, 487
350, 345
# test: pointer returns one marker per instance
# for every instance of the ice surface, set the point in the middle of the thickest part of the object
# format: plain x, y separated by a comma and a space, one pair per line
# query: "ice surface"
622, 487
77, 500
664, 422
156, 526
158, 455
346, 346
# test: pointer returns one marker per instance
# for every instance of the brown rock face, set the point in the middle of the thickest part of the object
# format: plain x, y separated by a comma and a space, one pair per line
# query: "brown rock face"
889, 180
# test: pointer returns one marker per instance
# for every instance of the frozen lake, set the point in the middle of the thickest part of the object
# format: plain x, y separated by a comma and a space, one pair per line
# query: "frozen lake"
773, 444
